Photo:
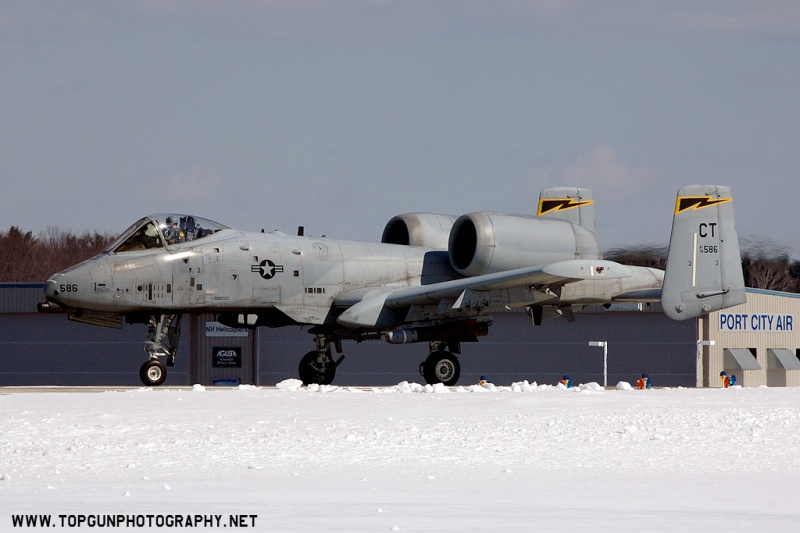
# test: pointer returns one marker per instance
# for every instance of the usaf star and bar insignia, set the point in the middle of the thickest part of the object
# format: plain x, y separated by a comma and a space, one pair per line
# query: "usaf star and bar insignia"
266, 269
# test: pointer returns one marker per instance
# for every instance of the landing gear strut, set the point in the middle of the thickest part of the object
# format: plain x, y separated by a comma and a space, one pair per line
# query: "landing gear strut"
163, 333
318, 366
441, 366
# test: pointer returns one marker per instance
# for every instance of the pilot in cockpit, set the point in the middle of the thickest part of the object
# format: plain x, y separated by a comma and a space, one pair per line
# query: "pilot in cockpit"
173, 233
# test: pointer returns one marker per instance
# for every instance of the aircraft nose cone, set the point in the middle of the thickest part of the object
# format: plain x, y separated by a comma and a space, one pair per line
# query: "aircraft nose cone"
51, 289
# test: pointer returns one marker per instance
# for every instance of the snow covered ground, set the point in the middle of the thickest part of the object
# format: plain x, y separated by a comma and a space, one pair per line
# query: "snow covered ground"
406, 458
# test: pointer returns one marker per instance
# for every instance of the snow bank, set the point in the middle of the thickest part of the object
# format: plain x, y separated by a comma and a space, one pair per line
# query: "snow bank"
405, 387
289, 384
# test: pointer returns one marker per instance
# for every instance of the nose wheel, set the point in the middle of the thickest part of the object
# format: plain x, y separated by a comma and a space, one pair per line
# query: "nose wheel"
153, 373
163, 333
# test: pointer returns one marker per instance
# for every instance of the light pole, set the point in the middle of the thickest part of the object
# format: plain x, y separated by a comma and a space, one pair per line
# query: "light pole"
698, 370
604, 344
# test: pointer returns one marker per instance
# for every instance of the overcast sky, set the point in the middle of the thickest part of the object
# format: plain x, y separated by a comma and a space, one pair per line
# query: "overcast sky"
337, 114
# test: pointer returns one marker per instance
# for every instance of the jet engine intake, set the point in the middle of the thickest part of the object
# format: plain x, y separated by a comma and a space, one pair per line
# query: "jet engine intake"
484, 243
419, 229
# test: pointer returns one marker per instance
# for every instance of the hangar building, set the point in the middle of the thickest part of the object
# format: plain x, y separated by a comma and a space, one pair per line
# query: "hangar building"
758, 341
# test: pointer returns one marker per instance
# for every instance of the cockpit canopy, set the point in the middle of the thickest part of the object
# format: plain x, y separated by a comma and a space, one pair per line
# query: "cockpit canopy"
163, 229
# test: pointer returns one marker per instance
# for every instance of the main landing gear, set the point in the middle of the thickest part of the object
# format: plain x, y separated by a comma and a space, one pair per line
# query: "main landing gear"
318, 366
163, 333
441, 366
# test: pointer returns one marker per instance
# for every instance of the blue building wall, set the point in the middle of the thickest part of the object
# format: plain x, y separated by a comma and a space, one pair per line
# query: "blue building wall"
48, 349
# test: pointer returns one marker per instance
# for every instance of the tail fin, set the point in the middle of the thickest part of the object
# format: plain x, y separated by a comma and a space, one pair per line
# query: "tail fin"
704, 268
568, 203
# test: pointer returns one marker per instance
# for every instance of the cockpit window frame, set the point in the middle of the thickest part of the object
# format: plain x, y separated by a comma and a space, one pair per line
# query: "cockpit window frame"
178, 229
160, 235
115, 246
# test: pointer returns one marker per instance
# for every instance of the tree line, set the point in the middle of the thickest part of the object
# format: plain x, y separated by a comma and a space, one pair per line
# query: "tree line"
764, 265
25, 257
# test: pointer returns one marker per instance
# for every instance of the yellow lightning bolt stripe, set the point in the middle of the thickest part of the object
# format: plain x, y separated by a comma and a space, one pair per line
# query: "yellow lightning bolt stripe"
559, 204
684, 203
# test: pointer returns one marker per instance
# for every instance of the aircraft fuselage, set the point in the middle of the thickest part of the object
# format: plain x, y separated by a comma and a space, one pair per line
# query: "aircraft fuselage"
234, 271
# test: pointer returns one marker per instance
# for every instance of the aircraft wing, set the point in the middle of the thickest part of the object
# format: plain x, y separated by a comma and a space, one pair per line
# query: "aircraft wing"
519, 287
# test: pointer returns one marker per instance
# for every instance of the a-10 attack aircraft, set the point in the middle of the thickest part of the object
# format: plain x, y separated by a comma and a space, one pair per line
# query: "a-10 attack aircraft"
432, 279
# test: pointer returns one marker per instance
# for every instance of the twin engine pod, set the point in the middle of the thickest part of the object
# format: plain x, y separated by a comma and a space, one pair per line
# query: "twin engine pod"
419, 229
484, 243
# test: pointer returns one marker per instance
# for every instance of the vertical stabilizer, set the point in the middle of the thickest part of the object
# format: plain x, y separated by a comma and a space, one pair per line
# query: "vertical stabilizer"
568, 203
704, 268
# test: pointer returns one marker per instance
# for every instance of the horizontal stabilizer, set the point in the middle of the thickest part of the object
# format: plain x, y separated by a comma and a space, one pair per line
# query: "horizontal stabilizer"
643, 295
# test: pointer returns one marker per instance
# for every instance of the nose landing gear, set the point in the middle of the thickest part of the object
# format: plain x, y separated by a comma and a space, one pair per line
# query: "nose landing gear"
163, 333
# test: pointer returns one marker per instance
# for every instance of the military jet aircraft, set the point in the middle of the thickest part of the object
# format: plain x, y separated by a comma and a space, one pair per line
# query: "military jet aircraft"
433, 278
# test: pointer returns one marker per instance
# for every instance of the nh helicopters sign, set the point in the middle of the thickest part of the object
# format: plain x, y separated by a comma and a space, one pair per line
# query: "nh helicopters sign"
215, 329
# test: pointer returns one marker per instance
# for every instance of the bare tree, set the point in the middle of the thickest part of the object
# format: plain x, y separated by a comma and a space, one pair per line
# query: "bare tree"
25, 257
765, 264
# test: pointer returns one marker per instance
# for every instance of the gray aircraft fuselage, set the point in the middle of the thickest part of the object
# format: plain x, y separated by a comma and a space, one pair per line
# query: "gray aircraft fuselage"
233, 271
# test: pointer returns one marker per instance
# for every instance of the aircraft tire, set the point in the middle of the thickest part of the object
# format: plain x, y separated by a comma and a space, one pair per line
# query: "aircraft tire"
153, 373
441, 367
309, 374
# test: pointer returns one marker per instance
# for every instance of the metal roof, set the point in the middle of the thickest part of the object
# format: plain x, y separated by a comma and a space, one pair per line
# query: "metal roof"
782, 359
740, 358
751, 290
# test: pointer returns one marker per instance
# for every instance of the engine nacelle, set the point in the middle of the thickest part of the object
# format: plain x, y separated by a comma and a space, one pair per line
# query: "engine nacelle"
484, 243
419, 229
